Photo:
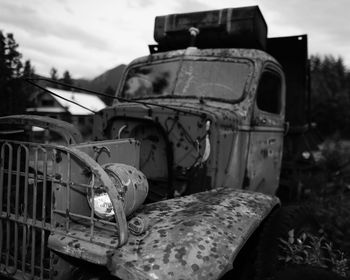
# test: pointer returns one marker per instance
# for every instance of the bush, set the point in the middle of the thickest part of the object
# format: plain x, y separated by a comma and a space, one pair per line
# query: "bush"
327, 190
315, 251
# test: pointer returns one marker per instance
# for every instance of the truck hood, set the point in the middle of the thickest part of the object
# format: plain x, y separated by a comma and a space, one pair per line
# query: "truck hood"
187, 128
193, 237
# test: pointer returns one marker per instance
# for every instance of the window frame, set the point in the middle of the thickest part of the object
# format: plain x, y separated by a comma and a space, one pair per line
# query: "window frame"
272, 68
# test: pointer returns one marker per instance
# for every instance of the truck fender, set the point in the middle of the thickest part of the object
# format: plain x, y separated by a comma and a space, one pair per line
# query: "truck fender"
192, 237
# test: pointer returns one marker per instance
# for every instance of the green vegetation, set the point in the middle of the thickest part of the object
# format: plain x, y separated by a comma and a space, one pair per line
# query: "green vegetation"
326, 189
317, 251
14, 92
330, 95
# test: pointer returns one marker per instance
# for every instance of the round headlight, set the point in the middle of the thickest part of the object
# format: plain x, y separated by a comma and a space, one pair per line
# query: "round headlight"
130, 183
102, 204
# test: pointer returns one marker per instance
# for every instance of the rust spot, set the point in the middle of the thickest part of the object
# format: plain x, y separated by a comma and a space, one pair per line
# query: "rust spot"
180, 253
162, 232
146, 268
189, 223
195, 267
166, 258
264, 153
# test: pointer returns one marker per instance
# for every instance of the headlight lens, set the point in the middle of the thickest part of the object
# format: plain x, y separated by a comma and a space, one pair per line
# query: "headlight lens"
102, 204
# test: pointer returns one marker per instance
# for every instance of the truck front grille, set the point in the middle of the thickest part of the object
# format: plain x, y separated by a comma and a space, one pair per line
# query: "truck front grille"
43, 194
25, 203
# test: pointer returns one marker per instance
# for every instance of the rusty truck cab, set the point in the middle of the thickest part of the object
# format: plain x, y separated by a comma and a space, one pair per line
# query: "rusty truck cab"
208, 115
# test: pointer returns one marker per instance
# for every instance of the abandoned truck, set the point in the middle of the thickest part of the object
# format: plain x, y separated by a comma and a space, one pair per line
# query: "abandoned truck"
180, 179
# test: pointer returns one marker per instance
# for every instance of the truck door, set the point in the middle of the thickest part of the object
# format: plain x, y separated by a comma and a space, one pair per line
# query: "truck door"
266, 136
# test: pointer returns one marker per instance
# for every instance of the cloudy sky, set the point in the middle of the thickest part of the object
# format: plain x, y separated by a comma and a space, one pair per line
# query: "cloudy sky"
88, 37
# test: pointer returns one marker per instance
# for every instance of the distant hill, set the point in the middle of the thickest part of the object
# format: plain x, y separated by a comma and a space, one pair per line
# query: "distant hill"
107, 82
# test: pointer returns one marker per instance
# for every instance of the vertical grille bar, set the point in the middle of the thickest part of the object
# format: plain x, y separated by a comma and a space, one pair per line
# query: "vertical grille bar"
68, 190
2, 170
25, 210
56, 178
18, 177
8, 205
35, 193
43, 214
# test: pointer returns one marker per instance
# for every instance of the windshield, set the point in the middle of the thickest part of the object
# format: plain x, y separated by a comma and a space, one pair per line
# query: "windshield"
211, 79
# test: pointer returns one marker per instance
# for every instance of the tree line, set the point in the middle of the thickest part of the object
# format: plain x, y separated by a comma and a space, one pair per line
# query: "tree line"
330, 87
15, 92
330, 95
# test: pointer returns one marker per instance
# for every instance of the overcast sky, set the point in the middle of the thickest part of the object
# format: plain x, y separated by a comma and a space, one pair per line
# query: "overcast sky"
88, 37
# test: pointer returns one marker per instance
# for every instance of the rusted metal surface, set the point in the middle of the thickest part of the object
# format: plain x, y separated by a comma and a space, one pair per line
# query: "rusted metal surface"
78, 244
68, 131
183, 234
126, 151
193, 237
134, 185
198, 236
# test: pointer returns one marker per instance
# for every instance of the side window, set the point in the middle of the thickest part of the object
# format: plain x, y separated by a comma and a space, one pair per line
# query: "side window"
269, 92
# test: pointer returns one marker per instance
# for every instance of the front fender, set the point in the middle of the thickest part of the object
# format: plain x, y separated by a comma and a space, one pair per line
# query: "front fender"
192, 237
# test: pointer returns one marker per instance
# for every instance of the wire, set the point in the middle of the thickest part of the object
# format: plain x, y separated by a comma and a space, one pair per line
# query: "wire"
173, 125
57, 95
40, 78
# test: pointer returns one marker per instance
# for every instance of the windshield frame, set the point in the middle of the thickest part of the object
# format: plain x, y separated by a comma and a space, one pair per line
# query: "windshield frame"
180, 60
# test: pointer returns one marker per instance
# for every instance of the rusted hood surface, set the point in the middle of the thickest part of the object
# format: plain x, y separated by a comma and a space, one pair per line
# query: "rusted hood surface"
192, 237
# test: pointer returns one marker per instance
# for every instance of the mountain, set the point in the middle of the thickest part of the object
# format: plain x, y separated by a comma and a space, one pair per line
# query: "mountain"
107, 82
